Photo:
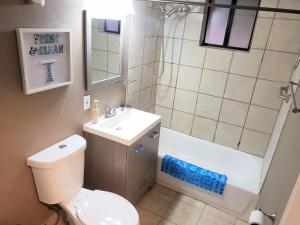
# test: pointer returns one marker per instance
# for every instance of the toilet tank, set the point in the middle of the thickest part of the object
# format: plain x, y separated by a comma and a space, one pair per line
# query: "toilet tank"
58, 170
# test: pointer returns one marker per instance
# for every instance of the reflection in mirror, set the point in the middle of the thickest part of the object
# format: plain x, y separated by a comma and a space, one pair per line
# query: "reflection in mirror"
105, 52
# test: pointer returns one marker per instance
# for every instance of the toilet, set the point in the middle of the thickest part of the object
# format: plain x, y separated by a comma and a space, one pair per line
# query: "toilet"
58, 174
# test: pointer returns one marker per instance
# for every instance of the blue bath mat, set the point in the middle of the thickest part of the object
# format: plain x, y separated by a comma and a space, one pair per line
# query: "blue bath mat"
195, 175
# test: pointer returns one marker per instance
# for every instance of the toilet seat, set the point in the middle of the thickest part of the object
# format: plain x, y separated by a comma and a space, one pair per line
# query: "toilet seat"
101, 208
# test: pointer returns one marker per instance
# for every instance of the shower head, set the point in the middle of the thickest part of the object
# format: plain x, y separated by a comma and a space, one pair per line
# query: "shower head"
178, 8
185, 8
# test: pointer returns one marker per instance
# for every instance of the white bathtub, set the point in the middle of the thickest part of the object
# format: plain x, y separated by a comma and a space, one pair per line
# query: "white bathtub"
243, 171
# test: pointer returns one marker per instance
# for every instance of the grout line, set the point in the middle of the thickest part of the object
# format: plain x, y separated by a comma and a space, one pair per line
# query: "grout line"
261, 132
181, 44
203, 93
242, 75
251, 99
194, 115
227, 78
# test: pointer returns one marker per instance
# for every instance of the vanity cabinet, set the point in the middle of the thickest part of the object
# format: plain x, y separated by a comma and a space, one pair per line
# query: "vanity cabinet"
125, 170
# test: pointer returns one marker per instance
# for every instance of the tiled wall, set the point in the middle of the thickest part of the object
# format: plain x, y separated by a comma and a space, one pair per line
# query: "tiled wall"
225, 96
105, 52
141, 89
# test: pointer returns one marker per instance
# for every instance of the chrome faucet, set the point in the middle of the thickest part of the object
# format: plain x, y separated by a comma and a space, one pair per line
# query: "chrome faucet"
110, 111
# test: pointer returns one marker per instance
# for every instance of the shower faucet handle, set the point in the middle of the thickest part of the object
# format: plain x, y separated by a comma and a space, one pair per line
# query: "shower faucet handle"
284, 93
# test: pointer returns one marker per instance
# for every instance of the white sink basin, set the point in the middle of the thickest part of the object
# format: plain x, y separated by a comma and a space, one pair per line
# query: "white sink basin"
126, 127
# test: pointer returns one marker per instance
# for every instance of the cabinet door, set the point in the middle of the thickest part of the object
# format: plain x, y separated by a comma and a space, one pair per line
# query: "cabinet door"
142, 157
105, 165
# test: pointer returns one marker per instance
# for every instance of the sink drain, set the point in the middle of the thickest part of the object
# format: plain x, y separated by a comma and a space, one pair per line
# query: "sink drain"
118, 128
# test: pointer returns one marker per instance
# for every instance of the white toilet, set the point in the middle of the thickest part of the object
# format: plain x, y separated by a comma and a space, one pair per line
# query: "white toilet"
58, 174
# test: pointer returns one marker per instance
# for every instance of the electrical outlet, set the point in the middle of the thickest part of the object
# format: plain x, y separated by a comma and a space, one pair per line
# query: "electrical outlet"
86, 102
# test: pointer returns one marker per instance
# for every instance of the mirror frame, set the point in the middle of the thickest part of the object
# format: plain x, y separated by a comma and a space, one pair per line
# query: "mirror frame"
88, 47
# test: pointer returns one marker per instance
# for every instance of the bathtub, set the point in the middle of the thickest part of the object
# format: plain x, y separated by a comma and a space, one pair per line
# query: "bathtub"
243, 171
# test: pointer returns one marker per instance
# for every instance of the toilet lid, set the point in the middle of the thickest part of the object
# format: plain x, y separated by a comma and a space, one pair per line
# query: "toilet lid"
106, 208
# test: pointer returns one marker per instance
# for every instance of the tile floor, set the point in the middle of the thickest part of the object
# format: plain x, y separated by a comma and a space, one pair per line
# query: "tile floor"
163, 206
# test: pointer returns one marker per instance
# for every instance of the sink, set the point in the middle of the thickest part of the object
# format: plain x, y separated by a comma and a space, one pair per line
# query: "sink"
126, 127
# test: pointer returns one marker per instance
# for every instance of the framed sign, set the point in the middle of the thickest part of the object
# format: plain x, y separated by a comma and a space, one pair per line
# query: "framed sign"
45, 58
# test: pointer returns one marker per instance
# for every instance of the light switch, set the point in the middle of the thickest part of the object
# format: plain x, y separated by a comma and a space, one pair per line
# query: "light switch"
86, 102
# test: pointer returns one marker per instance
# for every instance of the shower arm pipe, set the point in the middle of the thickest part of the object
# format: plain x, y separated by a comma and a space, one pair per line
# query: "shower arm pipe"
207, 4
173, 10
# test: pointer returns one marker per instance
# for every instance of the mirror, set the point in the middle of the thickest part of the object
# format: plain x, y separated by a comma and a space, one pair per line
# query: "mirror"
104, 51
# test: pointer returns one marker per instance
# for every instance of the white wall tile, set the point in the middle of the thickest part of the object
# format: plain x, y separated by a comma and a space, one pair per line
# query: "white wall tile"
167, 73
195, 8
285, 36
277, 66
261, 33
189, 78
99, 40
218, 59
228, 135
288, 4
147, 75
266, 94
170, 50
192, 54
174, 26
113, 43
208, 106
193, 26
98, 75
267, 3
204, 128
153, 15
99, 60
165, 96
185, 101
113, 64
213, 82
247, 63
134, 79
160, 49
134, 100
149, 50
182, 122
145, 98
261, 119
234, 112
165, 114
153, 95
254, 142
239, 88
136, 52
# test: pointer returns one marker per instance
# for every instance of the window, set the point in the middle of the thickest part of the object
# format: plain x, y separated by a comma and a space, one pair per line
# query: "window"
229, 28
112, 26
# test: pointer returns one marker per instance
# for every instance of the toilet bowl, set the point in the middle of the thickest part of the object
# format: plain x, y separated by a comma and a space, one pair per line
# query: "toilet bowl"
58, 174
99, 207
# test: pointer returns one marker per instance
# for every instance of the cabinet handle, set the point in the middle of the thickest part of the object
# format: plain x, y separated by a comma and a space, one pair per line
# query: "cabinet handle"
138, 148
154, 134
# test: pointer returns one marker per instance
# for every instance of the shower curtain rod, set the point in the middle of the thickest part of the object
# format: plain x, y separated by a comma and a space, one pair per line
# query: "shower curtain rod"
206, 4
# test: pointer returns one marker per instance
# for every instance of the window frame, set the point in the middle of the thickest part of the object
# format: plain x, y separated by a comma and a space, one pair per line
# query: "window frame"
228, 28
